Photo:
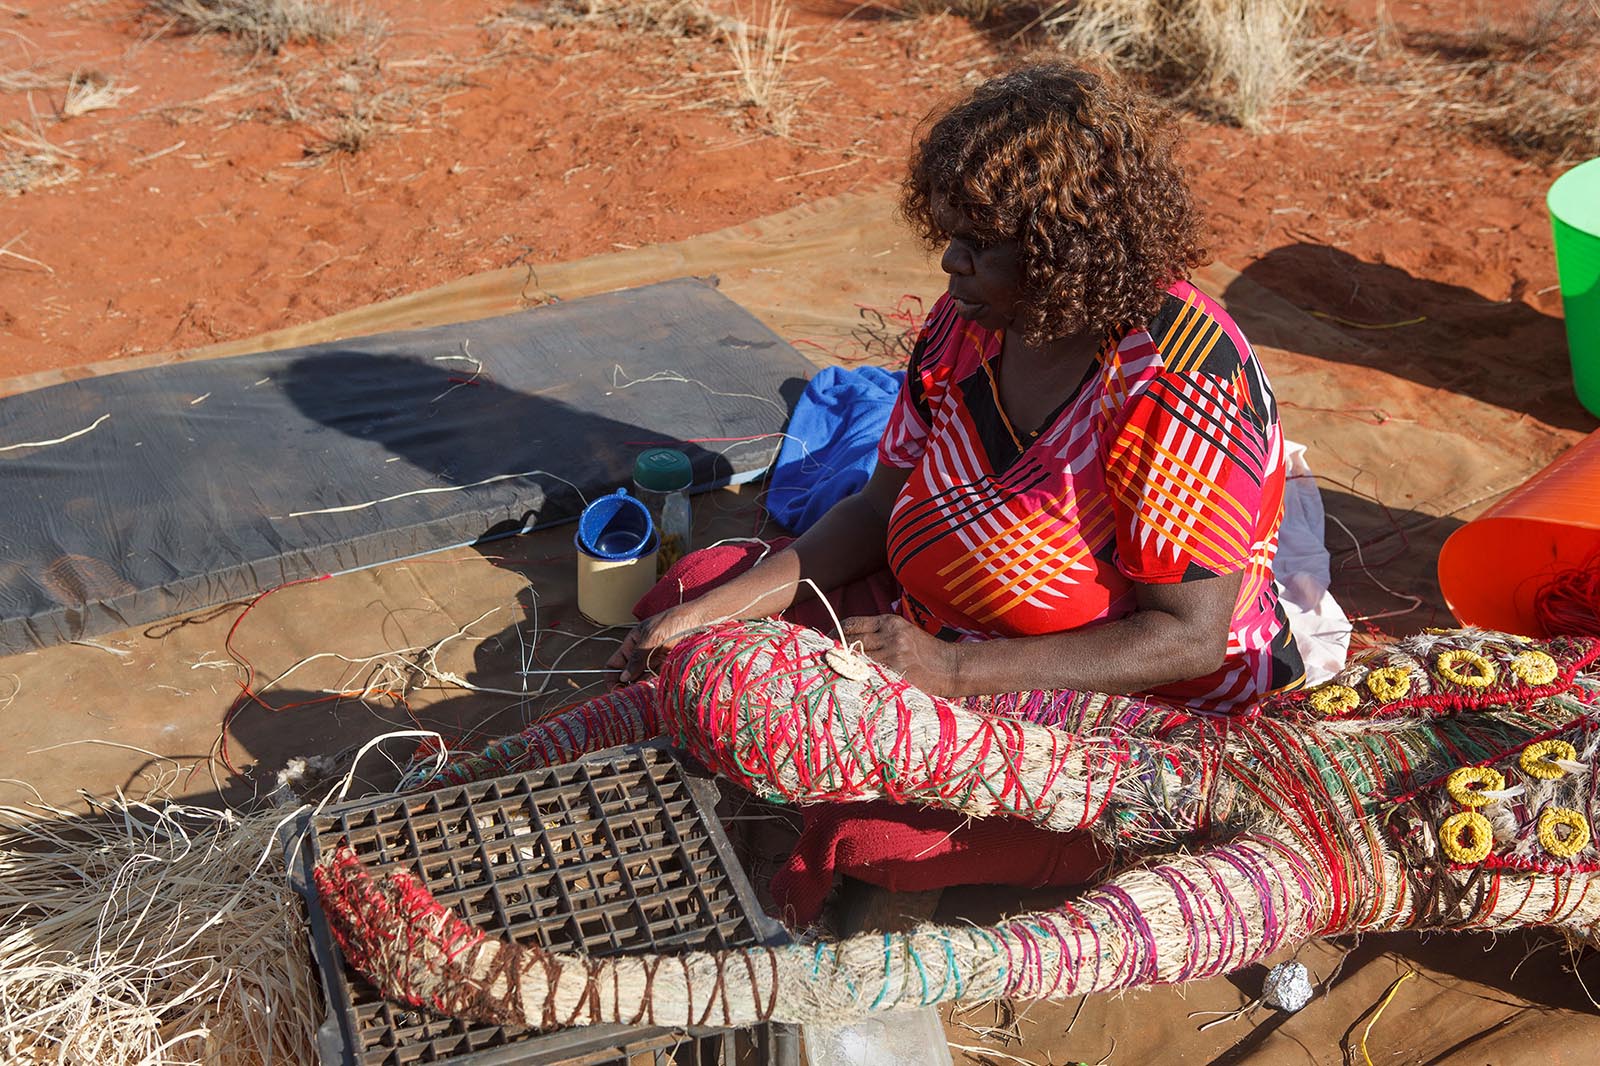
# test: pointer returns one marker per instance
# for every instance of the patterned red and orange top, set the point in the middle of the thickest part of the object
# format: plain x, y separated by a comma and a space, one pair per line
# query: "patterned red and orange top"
1165, 465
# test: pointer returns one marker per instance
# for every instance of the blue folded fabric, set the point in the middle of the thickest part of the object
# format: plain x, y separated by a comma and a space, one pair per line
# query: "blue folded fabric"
832, 443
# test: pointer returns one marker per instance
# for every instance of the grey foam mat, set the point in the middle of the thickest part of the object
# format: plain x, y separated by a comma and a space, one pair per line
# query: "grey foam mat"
213, 480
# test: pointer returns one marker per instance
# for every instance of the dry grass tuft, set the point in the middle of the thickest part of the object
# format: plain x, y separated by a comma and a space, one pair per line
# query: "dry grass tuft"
92, 91
1250, 54
1237, 59
1549, 114
1126, 32
1540, 94
344, 109
29, 161
1233, 59
345, 99
762, 51
667, 18
1527, 84
347, 104
264, 25
761, 57
974, 10
349, 134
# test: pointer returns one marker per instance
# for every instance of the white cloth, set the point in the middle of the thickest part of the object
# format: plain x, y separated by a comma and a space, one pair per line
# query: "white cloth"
1321, 630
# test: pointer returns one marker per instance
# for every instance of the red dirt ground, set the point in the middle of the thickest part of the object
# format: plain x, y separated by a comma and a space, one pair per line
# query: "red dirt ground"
196, 214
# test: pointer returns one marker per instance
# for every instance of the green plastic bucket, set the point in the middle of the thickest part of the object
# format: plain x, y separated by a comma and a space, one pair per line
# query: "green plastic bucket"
1574, 202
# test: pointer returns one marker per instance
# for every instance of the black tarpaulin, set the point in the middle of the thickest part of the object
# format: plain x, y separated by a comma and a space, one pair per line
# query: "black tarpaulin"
200, 483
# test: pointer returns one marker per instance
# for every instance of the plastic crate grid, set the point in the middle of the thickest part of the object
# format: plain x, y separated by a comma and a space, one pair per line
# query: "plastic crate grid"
617, 853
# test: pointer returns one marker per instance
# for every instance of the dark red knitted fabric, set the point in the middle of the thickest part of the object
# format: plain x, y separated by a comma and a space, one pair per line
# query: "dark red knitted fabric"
902, 849
910, 849
699, 572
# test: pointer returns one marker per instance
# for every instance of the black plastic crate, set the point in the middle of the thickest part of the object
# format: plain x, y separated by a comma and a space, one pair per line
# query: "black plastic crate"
620, 852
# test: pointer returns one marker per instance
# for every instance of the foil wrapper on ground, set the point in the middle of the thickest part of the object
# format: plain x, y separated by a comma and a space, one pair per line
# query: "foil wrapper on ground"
1287, 987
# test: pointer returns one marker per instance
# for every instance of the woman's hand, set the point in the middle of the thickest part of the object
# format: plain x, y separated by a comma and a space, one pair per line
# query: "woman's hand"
655, 635
923, 659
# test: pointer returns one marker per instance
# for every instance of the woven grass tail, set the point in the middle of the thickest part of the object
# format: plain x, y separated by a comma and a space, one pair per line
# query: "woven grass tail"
628, 715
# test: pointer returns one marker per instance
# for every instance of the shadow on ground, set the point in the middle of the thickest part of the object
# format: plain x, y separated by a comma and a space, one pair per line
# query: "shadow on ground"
1384, 563
1505, 353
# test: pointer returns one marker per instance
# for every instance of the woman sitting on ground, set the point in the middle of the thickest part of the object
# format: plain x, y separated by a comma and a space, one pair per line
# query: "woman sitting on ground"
1082, 481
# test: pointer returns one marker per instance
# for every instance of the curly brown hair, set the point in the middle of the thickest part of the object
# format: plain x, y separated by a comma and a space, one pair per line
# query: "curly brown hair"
1078, 168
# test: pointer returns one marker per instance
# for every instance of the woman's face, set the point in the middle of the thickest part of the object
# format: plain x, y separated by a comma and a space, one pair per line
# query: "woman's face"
985, 277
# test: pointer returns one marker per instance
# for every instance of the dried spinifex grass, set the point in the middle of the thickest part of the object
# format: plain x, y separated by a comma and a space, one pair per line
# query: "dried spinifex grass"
263, 25
158, 936
29, 160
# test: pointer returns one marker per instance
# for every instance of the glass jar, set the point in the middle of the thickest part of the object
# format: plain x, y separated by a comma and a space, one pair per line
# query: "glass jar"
661, 479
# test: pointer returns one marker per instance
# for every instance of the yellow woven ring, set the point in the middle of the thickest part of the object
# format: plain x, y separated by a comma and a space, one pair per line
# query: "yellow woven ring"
1466, 837
1538, 759
1460, 784
1334, 699
1450, 663
1534, 668
1389, 683
1577, 838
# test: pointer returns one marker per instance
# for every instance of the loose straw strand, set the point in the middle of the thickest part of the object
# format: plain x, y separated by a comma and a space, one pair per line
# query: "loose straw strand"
58, 440
1393, 989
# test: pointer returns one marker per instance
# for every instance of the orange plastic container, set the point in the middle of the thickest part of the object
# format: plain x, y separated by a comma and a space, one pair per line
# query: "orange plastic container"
1491, 568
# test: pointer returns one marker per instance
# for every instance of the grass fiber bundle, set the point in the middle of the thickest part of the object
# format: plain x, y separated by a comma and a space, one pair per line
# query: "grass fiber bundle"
137, 934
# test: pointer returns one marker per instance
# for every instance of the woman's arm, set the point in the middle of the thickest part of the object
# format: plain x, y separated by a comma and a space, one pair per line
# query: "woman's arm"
847, 543
1179, 631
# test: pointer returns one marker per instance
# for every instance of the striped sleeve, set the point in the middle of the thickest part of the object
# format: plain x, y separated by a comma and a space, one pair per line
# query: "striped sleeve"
1186, 471
905, 438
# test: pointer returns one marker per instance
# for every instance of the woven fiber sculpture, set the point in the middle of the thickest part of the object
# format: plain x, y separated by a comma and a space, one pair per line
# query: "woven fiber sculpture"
1446, 784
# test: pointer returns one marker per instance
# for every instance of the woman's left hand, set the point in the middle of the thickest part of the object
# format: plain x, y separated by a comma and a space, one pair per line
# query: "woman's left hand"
923, 659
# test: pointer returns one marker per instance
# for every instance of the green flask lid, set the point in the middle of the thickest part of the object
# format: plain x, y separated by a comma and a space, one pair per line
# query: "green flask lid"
662, 470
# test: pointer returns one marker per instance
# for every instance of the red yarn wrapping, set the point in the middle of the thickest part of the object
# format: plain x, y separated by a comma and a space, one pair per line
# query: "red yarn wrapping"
769, 725
1569, 602
404, 940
